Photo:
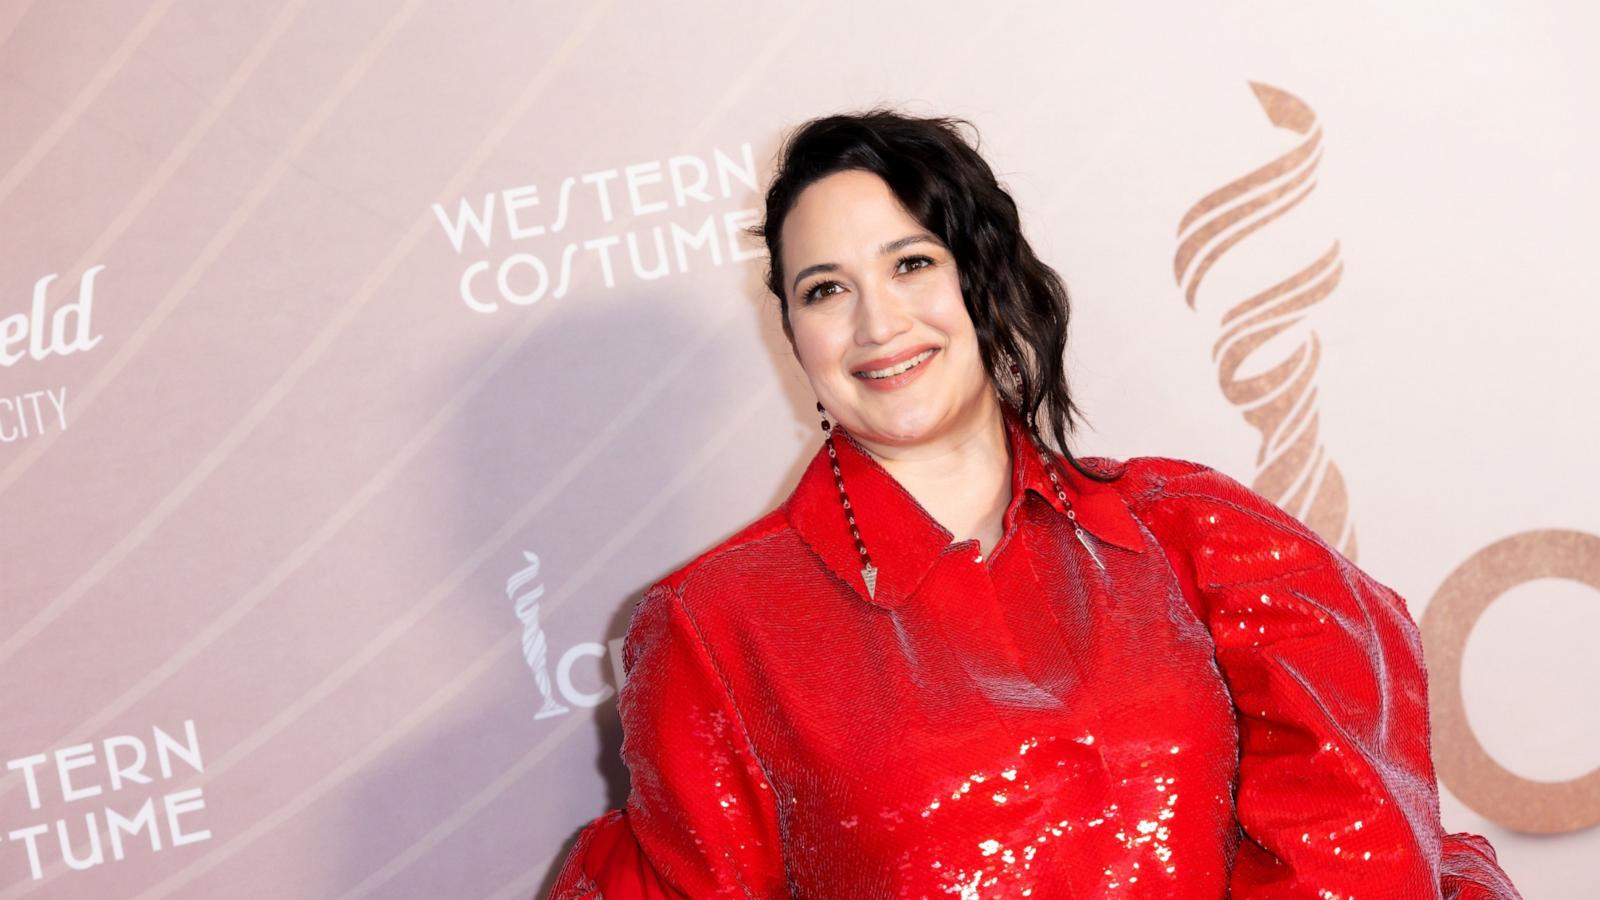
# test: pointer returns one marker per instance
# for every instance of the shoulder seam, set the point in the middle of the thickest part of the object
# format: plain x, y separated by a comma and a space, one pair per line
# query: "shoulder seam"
1148, 483
684, 575
749, 535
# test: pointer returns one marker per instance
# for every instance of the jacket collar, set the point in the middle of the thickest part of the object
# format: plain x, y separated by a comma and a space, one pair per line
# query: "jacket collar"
903, 539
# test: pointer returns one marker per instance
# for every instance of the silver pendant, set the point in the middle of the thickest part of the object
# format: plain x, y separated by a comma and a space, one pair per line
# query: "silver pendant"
1089, 547
869, 574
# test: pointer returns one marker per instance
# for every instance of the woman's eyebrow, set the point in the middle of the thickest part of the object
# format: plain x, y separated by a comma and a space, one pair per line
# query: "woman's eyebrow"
887, 248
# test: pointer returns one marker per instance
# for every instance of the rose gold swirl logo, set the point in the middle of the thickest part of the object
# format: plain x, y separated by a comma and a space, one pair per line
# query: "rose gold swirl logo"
1280, 402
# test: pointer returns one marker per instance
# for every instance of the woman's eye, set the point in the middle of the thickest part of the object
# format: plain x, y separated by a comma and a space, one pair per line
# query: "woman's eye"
817, 291
813, 292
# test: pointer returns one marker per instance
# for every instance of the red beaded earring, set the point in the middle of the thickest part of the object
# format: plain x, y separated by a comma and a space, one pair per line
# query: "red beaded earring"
869, 572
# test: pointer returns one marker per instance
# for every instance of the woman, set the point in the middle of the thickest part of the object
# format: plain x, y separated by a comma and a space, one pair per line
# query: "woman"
954, 662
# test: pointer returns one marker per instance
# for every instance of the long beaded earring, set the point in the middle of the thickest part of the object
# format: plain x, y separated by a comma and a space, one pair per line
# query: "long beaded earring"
869, 572
1015, 371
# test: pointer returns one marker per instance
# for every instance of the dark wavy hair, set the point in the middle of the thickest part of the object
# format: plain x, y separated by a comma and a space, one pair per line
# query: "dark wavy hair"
1018, 305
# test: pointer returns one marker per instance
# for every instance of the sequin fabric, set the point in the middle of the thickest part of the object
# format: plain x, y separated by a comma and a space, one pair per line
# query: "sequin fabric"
1228, 708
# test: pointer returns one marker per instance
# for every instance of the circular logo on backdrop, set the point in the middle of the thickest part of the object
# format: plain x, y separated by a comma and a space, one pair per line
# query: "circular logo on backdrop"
1541, 807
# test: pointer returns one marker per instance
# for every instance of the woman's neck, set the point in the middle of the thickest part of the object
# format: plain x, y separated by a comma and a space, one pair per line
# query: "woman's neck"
963, 479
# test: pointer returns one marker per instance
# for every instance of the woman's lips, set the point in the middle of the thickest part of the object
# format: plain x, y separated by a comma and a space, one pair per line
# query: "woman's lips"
895, 381
884, 362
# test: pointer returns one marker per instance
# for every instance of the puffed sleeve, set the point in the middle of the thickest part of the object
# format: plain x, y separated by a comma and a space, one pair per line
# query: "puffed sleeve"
701, 818
1336, 794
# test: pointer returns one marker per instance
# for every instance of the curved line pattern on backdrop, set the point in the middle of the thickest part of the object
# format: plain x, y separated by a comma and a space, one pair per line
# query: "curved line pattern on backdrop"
148, 190
69, 117
380, 479
213, 250
13, 17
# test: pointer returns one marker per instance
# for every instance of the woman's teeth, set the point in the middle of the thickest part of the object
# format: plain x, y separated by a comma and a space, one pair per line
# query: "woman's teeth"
894, 370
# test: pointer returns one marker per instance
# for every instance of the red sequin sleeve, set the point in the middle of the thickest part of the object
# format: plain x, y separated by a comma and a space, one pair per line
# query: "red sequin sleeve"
1336, 793
700, 820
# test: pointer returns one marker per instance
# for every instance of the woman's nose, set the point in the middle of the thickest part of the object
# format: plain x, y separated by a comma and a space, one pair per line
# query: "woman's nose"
880, 316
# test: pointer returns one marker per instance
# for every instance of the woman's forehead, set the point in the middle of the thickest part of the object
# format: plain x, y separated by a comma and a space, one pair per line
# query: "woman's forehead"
851, 212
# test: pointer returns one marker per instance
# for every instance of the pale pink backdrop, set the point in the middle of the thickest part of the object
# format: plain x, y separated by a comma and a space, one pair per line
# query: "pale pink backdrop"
295, 484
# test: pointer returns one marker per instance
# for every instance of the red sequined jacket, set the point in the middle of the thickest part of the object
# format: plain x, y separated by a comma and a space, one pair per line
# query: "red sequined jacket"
1200, 697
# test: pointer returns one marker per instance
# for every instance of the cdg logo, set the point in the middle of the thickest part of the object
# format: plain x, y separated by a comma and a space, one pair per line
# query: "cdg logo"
525, 595
1280, 402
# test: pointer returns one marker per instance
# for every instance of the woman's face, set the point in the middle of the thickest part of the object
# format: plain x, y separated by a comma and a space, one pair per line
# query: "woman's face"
876, 315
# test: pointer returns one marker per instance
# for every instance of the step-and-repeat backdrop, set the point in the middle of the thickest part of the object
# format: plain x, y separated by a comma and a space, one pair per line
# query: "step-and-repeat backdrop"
361, 363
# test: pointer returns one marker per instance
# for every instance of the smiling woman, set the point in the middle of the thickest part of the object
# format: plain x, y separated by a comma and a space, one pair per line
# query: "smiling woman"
867, 330
958, 660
